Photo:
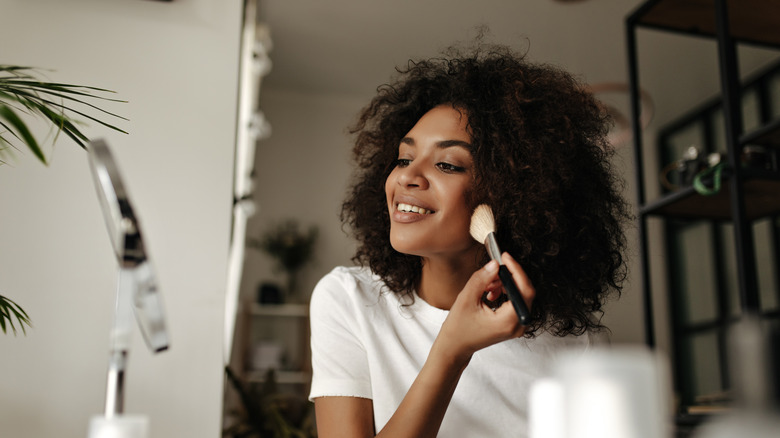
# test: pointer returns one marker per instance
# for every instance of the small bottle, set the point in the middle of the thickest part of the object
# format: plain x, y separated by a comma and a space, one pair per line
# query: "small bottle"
615, 392
119, 426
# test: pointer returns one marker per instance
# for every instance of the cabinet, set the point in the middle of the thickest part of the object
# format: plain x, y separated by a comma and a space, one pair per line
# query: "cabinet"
747, 194
279, 339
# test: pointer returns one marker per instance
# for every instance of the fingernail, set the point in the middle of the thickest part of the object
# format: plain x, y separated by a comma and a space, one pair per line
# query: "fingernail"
492, 266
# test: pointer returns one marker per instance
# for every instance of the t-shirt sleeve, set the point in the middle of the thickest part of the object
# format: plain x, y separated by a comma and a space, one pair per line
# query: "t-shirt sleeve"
339, 360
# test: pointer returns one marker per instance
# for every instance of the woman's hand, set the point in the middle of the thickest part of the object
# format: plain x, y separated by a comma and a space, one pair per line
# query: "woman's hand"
471, 324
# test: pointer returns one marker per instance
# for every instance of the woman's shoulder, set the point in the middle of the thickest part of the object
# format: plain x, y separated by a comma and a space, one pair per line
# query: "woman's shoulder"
355, 276
353, 283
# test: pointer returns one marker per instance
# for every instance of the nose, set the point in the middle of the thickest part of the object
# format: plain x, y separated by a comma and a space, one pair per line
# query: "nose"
412, 175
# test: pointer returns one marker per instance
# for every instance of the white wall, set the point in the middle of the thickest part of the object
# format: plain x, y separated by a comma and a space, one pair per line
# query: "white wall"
176, 63
302, 173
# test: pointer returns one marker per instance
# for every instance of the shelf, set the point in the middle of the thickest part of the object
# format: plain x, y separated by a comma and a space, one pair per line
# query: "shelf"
761, 199
754, 22
751, 21
768, 135
282, 377
289, 310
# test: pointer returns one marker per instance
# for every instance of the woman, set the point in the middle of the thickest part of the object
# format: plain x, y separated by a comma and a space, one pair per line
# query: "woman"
417, 340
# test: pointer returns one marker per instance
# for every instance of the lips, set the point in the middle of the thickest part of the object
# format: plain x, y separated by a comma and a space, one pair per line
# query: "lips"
407, 209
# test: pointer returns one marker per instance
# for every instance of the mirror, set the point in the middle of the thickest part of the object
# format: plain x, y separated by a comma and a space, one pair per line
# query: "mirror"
125, 235
136, 292
137, 285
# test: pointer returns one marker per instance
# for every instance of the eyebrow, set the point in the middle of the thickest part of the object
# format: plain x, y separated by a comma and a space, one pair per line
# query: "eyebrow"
440, 144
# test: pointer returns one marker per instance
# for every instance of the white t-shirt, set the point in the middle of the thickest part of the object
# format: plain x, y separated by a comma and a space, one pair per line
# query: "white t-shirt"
369, 342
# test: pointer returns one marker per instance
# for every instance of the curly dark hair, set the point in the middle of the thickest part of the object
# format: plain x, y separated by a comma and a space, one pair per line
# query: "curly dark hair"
541, 161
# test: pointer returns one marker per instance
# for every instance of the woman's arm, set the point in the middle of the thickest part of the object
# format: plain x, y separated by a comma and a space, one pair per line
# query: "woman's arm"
344, 417
420, 413
469, 327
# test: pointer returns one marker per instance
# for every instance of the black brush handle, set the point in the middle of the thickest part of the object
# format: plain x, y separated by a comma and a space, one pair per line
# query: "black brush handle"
514, 295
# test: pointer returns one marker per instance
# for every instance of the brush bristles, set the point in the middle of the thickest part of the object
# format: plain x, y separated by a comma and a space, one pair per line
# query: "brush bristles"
482, 223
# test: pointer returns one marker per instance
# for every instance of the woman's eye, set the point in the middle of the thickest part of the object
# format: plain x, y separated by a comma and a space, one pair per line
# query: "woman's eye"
402, 162
451, 168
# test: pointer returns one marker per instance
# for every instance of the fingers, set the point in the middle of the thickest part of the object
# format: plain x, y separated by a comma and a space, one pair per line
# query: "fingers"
521, 278
472, 323
482, 278
494, 294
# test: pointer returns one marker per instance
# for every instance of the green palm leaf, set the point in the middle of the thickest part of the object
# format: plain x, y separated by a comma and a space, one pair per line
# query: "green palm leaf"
19, 130
62, 106
9, 311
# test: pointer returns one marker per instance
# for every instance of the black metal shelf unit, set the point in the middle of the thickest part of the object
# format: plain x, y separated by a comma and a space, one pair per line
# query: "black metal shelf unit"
747, 194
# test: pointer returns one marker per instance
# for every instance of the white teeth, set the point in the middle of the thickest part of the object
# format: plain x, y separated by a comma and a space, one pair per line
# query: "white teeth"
406, 208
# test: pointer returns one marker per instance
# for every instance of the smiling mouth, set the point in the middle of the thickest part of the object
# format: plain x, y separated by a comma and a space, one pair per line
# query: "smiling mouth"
407, 208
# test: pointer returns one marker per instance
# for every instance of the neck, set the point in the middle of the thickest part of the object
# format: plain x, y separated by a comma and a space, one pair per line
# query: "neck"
442, 279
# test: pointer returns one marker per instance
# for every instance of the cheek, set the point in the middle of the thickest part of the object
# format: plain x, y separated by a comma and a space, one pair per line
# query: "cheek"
467, 205
471, 196
468, 197
389, 187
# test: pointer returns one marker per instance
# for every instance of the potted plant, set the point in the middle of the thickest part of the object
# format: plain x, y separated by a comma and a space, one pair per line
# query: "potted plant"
290, 247
61, 106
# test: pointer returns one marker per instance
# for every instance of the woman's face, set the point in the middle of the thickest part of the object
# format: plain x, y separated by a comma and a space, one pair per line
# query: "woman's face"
427, 191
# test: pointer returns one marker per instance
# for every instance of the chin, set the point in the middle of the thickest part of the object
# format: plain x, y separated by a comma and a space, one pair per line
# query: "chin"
404, 247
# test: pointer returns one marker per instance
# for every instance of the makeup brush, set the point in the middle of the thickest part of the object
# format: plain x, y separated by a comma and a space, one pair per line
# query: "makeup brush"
483, 229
